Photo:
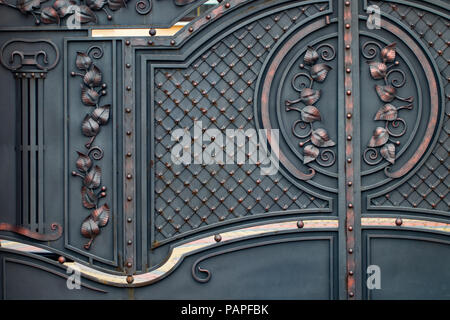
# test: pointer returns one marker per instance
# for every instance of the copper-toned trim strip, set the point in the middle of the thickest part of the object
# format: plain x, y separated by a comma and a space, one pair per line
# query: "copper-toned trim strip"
266, 92
349, 150
179, 252
34, 235
408, 223
434, 102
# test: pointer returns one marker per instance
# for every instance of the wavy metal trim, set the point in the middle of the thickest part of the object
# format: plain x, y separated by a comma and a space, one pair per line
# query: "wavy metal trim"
178, 253
34, 235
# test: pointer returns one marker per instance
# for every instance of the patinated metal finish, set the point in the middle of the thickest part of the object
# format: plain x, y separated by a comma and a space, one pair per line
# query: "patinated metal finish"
363, 123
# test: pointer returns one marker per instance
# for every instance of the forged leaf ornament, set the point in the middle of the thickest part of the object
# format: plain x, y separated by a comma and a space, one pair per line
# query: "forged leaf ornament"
93, 78
90, 127
386, 93
85, 15
95, 4
83, 61
310, 153
84, 162
89, 96
64, 7
311, 56
320, 71
88, 198
89, 228
101, 215
26, 6
388, 152
387, 112
92, 179
380, 137
101, 114
388, 53
320, 138
310, 96
310, 114
377, 70
49, 15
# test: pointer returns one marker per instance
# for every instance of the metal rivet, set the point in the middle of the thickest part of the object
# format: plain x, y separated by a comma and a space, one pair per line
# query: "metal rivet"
129, 220
348, 70
349, 92
130, 242
347, 26
349, 160
129, 264
350, 228
127, 42
150, 42
349, 138
347, 3
351, 294
300, 224
350, 272
172, 42
350, 250
349, 115
128, 88
350, 183
227, 5
128, 154
61, 259
217, 238
208, 17
191, 29
347, 46
128, 110
350, 205
130, 279
398, 221
128, 65
152, 32
129, 176
129, 198
128, 133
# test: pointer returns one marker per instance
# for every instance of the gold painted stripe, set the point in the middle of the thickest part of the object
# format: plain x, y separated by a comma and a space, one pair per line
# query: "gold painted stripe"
410, 223
17, 246
181, 251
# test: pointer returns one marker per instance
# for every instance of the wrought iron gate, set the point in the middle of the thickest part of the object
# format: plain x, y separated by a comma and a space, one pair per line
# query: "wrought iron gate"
361, 102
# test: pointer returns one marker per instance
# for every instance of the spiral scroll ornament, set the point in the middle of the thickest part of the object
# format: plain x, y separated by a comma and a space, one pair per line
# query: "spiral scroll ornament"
382, 145
316, 143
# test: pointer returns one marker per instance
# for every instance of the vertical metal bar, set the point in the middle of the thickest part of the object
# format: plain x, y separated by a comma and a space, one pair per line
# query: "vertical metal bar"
146, 170
18, 143
40, 141
32, 143
25, 150
351, 203
129, 186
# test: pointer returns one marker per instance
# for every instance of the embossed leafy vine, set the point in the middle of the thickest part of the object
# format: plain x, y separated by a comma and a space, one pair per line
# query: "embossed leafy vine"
318, 150
77, 13
92, 90
389, 113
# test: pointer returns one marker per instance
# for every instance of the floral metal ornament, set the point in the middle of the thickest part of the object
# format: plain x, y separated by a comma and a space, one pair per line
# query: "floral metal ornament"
82, 12
92, 91
320, 141
389, 113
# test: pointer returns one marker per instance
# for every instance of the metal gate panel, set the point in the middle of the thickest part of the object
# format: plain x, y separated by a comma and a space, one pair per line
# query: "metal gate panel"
87, 133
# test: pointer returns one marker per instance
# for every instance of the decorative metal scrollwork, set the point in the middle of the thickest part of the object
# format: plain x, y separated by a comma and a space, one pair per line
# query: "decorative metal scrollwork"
319, 138
395, 126
92, 91
78, 13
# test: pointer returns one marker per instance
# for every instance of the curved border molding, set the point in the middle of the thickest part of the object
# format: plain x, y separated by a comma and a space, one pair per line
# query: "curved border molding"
179, 252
